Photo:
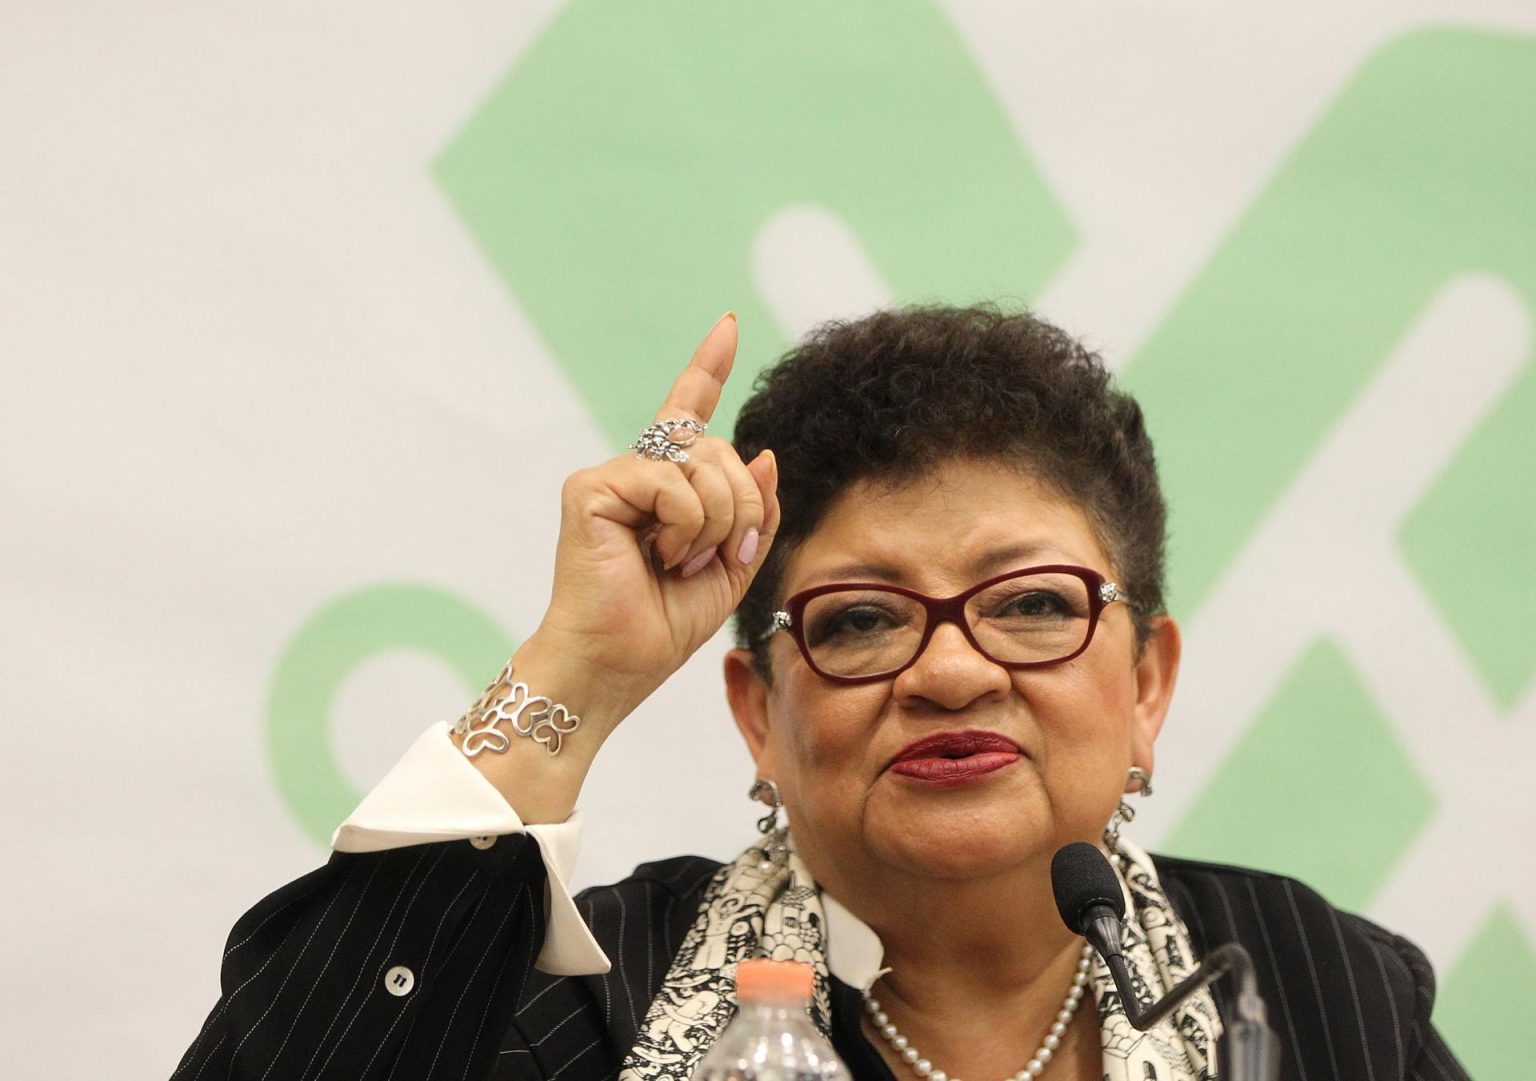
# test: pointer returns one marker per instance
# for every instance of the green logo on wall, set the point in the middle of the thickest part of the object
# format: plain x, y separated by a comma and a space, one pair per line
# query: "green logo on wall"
336, 640
619, 175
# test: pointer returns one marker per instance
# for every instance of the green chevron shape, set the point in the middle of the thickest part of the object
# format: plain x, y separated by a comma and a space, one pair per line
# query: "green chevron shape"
1486, 1001
618, 175
1320, 753
1423, 169
1469, 543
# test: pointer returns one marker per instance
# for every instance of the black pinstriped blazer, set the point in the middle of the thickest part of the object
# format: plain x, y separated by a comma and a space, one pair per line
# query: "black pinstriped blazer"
304, 994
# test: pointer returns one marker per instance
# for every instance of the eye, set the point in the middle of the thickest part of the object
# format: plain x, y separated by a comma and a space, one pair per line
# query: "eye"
1037, 604
853, 622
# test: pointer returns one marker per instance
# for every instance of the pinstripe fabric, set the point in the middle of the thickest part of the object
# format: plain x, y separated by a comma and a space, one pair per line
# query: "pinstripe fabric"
1347, 998
304, 995
303, 977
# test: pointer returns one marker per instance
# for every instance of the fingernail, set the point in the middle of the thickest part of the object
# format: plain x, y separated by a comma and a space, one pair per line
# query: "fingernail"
698, 562
728, 315
748, 550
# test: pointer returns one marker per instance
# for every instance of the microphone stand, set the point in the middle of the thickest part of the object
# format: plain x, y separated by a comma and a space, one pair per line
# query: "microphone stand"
1253, 1049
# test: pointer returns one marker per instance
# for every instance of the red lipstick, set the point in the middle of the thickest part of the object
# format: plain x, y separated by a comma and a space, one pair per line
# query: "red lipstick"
955, 758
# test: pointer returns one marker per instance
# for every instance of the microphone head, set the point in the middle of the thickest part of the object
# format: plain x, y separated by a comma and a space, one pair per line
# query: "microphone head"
1081, 878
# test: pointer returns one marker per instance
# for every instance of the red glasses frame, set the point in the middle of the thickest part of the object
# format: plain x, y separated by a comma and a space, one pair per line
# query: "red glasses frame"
1101, 594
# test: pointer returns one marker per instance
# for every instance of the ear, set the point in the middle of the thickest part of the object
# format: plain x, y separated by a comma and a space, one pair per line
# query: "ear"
1157, 670
747, 693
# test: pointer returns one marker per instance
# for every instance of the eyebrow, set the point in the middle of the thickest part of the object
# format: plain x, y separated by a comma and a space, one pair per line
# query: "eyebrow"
993, 562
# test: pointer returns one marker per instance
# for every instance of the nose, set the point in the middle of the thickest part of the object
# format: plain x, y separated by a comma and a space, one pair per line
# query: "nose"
949, 673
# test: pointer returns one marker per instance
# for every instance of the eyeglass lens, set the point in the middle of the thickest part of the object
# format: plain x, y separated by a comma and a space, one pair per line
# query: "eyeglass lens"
869, 631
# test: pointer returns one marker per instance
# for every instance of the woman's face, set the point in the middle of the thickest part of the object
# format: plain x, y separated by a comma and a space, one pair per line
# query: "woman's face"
1078, 726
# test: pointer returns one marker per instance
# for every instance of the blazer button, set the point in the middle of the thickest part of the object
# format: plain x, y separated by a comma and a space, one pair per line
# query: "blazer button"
399, 980
482, 843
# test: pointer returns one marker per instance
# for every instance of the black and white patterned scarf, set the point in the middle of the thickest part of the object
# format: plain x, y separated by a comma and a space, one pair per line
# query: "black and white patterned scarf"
757, 906
1159, 954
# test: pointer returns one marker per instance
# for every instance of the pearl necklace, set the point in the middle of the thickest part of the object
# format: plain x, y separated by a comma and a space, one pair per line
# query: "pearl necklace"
1033, 1068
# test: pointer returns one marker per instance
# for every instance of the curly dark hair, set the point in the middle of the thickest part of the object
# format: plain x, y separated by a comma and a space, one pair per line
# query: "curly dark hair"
897, 393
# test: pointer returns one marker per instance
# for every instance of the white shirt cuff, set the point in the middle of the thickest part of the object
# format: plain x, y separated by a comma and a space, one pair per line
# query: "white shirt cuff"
434, 794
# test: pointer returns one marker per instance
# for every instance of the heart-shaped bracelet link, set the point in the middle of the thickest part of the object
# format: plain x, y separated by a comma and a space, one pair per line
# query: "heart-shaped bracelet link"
507, 700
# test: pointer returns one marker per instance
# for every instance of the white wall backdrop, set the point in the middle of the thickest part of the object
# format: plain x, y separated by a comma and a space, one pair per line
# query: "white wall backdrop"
308, 310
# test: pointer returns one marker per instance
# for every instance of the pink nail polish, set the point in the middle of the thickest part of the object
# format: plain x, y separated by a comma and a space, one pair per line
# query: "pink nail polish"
748, 550
698, 562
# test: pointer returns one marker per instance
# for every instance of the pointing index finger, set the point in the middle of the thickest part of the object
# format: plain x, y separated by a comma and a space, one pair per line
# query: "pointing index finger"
696, 391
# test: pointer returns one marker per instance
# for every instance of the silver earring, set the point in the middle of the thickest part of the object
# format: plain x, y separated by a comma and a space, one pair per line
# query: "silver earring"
772, 847
1136, 780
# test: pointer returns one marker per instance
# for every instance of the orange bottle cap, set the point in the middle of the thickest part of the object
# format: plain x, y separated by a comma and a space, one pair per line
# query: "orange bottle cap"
759, 978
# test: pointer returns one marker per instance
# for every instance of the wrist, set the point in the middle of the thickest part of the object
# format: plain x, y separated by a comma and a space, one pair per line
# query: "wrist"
537, 728
560, 668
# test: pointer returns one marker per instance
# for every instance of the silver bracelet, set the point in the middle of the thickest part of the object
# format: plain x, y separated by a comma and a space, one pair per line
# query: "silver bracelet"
544, 720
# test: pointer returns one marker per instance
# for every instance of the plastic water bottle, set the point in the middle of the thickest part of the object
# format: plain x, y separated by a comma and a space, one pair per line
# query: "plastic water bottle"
772, 1038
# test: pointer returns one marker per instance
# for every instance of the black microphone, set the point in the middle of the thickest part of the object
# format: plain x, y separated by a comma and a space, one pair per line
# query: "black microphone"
1088, 897
1091, 904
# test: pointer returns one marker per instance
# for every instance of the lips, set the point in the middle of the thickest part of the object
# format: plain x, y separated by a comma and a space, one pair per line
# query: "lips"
950, 758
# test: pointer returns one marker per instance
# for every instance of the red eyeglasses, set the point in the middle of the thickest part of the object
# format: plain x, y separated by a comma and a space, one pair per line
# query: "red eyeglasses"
859, 632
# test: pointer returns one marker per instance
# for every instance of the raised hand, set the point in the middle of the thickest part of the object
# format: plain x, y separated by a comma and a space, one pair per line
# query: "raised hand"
654, 556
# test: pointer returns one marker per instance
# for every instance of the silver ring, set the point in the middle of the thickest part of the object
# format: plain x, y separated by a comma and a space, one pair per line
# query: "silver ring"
660, 442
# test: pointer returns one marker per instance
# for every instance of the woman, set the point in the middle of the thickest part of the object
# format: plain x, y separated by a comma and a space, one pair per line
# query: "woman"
942, 534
